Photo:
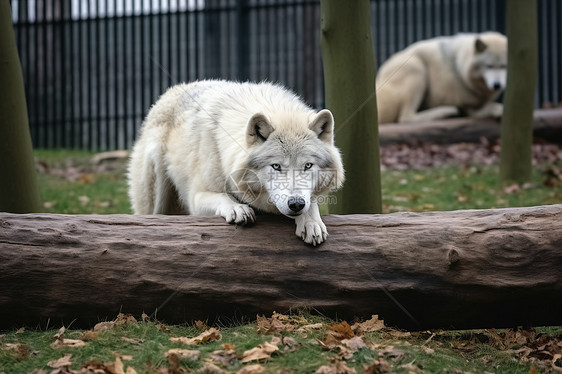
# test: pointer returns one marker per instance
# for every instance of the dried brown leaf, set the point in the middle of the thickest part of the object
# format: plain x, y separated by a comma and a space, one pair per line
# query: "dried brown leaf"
379, 365
373, 324
338, 367
224, 357
104, 326
428, 350
313, 326
260, 352
134, 341
188, 354
61, 362
90, 335
20, 351
354, 344
391, 352
209, 368
555, 358
61, 341
209, 335
162, 327
251, 369
272, 325
123, 319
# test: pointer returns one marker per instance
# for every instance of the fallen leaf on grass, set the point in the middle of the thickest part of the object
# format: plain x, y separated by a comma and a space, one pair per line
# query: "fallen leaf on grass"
270, 325
428, 350
122, 319
188, 354
337, 332
201, 326
313, 326
555, 358
374, 324
209, 335
21, 351
226, 358
379, 365
162, 327
354, 344
60, 340
260, 352
511, 189
209, 368
251, 369
289, 344
120, 367
391, 352
104, 326
90, 335
134, 341
61, 362
337, 368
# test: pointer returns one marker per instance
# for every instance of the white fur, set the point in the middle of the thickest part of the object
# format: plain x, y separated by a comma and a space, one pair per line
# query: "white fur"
207, 148
443, 77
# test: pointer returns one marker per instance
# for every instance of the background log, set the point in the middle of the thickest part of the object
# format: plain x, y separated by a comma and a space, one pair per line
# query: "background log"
547, 126
461, 269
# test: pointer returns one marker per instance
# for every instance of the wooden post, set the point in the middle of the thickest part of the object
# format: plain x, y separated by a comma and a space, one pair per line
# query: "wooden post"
18, 183
517, 120
349, 75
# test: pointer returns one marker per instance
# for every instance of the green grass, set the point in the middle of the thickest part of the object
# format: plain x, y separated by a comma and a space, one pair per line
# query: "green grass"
433, 189
453, 187
445, 356
72, 185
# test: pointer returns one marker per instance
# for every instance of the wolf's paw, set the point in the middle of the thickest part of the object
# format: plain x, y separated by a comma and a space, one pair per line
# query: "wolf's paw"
312, 232
240, 214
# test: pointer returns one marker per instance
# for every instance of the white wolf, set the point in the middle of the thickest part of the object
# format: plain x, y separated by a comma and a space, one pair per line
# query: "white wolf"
226, 148
444, 77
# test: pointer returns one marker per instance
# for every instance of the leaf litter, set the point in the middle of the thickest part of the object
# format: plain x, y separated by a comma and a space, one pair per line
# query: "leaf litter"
380, 348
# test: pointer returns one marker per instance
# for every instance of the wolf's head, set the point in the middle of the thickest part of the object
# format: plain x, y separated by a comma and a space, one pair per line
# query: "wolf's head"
489, 65
294, 158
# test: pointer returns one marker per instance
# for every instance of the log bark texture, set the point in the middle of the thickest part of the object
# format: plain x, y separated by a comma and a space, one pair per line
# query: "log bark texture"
461, 269
547, 125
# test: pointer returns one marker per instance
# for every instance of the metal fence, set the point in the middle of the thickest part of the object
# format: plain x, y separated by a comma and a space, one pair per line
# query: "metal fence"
92, 68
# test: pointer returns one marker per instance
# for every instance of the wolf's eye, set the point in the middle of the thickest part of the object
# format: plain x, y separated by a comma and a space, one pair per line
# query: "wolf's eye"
276, 167
308, 165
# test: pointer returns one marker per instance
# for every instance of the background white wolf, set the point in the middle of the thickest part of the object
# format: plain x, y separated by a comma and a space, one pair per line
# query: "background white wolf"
225, 148
444, 77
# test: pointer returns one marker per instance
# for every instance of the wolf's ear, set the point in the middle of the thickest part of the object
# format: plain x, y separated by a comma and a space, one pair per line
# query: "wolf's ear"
323, 126
479, 45
258, 129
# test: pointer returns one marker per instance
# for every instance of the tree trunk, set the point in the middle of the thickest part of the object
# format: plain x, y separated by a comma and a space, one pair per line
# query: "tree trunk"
517, 120
18, 184
349, 75
461, 269
547, 125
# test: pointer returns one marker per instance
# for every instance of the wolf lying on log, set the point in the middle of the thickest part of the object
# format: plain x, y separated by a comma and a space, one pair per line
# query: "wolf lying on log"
461, 269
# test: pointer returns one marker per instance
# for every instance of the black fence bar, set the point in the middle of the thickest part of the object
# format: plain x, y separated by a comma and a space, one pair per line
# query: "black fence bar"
92, 68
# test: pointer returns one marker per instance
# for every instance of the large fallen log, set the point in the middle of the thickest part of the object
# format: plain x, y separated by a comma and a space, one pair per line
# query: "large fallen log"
547, 126
462, 269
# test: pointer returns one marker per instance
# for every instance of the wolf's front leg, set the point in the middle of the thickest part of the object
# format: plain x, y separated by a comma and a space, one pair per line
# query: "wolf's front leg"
310, 227
492, 109
220, 204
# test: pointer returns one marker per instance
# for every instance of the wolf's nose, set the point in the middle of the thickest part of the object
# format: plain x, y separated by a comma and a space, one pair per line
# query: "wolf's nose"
296, 204
497, 86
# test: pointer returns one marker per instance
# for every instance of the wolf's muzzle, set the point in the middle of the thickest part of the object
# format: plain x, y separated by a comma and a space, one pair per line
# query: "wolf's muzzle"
296, 204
